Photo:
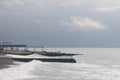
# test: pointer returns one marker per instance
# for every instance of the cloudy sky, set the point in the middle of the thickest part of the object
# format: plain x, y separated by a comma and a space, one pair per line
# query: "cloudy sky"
61, 23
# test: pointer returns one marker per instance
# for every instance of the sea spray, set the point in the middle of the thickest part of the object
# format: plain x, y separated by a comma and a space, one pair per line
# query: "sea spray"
78, 71
95, 64
19, 71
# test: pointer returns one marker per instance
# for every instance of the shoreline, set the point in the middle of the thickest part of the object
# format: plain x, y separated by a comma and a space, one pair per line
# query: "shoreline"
5, 62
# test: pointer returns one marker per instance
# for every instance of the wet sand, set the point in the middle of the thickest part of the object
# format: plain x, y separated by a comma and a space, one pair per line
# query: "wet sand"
5, 62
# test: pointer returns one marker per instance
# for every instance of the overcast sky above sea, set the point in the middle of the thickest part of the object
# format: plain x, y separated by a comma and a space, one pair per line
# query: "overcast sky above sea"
61, 23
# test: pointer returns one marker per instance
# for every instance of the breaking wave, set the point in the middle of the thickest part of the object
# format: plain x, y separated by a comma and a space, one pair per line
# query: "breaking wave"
17, 72
36, 70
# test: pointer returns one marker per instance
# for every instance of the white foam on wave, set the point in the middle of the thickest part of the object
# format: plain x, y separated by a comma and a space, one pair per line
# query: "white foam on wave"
97, 72
18, 72
81, 71
61, 71
24, 56
37, 56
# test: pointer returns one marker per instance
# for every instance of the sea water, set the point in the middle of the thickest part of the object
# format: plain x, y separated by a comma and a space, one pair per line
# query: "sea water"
94, 64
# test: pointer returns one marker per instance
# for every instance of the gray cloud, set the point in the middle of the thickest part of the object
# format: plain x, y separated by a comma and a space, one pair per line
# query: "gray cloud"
60, 22
86, 23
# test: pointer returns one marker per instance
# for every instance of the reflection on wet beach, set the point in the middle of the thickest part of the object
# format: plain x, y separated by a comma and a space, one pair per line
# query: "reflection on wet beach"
5, 62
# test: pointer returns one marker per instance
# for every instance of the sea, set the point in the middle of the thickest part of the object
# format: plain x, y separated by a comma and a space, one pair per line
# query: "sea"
94, 64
